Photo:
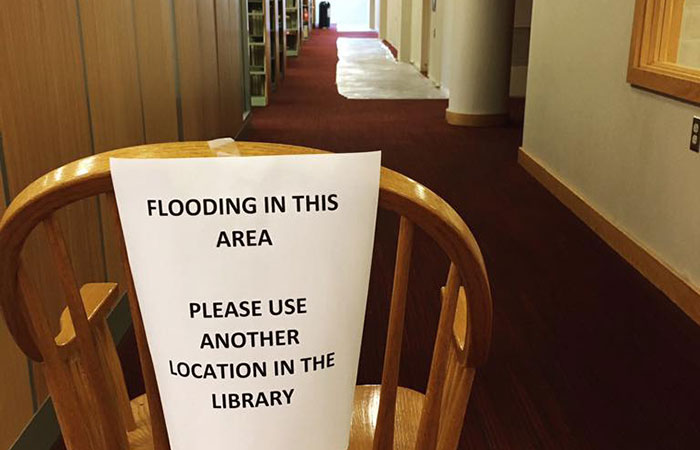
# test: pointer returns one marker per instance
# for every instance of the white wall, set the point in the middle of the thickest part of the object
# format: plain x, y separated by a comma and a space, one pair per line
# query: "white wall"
436, 33
447, 40
416, 20
623, 149
420, 33
400, 27
521, 44
350, 14
393, 22
441, 44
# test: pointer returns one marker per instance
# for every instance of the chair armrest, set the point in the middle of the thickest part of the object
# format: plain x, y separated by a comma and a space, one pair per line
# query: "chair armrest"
98, 299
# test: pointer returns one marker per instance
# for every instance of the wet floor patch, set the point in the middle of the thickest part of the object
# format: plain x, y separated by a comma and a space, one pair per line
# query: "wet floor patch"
367, 70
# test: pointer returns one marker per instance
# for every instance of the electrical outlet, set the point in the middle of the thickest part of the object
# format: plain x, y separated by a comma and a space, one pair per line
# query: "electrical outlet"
695, 135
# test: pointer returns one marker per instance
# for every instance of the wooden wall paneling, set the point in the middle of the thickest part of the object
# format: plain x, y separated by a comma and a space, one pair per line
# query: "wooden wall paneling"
114, 92
45, 124
197, 66
3, 186
156, 60
189, 69
237, 46
45, 116
111, 66
15, 388
230, 66
210, 64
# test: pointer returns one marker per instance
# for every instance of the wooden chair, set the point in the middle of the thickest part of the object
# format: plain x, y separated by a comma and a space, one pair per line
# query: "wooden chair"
81, 366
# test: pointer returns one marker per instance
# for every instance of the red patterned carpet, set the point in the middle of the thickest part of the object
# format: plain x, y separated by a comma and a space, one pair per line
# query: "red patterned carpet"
586, 353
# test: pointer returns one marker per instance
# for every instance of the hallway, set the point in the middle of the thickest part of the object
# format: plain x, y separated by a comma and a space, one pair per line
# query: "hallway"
618, 370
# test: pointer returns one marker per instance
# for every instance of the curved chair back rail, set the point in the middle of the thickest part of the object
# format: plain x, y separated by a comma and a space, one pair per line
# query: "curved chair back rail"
464, 330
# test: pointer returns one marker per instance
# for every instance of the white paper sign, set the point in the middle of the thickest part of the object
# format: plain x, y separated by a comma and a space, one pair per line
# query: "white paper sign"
252, 277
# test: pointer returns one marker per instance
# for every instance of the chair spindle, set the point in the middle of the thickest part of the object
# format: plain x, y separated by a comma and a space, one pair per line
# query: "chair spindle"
113, 434
58, 378
110, 359
430, 416
160, 432
384, 433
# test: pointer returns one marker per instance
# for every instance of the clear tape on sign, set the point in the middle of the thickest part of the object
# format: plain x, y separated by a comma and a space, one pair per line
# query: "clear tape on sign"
225, 147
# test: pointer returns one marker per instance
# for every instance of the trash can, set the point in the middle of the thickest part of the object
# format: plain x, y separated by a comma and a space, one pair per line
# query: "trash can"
324, 17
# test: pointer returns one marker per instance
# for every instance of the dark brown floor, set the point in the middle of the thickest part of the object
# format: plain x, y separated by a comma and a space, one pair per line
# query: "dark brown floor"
586, 353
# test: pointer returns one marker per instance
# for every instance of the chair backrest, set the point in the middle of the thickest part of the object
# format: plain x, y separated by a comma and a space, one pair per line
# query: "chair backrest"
461, 345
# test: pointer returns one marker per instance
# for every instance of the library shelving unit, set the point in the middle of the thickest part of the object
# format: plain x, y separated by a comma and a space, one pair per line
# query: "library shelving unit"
259, 50
293, 15
282, 36
312, 15
274, 42
307, 14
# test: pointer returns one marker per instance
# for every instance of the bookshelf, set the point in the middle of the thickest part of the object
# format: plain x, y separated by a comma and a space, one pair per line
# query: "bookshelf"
293, 16
282, 33
307, 17
259, 43
273, 8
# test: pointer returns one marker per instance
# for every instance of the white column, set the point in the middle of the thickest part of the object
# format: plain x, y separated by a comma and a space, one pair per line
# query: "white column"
482, 35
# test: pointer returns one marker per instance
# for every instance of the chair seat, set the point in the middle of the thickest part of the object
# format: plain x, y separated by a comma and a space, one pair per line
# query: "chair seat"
409, 404
140, 437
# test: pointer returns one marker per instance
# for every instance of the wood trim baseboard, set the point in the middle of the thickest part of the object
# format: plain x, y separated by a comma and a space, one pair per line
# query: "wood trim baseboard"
475, 120
682, 292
